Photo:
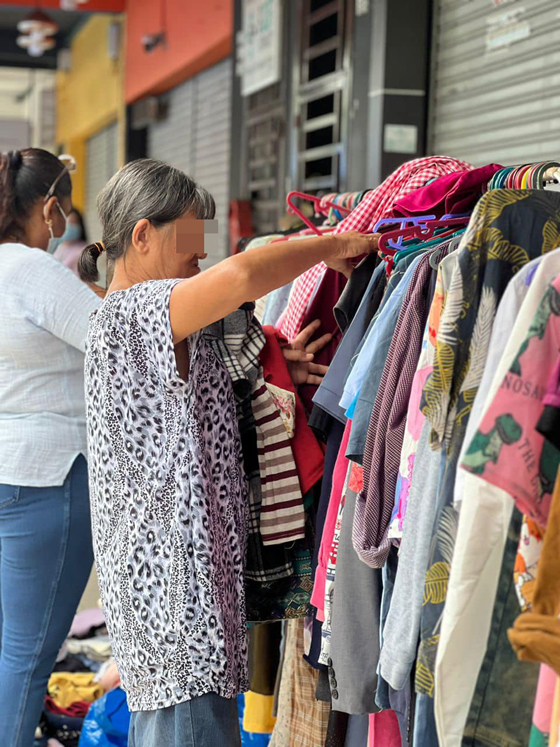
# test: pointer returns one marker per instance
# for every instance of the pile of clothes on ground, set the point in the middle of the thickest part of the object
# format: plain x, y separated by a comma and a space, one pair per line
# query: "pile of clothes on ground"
85, 705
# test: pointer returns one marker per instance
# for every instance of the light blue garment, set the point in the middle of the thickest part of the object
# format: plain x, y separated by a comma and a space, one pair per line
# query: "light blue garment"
206, 721
364, 399
276, 303
328, 394
381, 331
46, 557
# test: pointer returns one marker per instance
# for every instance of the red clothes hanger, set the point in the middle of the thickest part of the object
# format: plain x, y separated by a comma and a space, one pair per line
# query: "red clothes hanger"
320, 207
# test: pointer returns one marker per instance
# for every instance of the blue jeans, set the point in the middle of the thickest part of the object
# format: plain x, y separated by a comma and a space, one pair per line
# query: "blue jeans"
45, 559
207, 721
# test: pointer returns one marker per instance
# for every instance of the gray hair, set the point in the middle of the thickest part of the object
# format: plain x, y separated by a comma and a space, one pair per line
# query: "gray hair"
144, 188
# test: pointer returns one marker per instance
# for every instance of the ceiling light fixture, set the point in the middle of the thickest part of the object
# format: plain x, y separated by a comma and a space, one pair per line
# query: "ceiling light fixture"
36, 44
71, 4
38, 23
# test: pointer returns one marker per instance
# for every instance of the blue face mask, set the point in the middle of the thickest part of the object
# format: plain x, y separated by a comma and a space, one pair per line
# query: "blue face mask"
56, 241
73, 232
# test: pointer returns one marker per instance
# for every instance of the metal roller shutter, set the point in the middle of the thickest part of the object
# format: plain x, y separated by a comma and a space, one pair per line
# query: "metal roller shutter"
102, 163
495, 94
196, 138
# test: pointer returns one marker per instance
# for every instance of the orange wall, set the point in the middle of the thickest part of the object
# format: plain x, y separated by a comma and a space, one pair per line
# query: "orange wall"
199, 34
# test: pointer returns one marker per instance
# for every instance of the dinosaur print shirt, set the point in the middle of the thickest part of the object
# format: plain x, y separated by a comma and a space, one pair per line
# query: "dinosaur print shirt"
168, 502
507, 450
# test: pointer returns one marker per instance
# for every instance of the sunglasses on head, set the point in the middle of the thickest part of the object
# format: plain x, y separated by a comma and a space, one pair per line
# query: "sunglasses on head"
69, 165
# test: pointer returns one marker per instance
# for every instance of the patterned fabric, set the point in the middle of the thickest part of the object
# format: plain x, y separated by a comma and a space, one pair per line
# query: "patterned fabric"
409, 177
326, 629
375, 504
286, 598
238, 341
285, 403
282, 518
415, 417
302, 720
309, 717
168, 504
508, 229
507, 450
526, 562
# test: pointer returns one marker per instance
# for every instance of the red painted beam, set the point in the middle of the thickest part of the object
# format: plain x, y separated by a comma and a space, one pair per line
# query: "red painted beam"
101, 6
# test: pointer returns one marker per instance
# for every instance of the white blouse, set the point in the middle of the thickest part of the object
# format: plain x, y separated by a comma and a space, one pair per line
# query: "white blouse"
44, 316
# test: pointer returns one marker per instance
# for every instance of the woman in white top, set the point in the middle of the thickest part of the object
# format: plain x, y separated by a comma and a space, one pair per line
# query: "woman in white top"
45, 536
169, 503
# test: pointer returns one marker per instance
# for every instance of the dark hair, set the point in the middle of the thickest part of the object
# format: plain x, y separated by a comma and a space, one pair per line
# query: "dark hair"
80, 217
144, 188
25, 177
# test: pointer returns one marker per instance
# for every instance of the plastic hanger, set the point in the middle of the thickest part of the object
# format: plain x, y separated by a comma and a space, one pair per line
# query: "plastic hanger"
425, 231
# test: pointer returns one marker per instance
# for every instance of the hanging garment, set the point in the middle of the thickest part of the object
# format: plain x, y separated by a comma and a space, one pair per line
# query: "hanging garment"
542, 712
507, 450
455, 193
330, 391
238, 340
399, 701
507, 230
331, 455
355, 625
326, 630
384, 730
287, 598
406, 179
485, 513
536, 634
302, 721
362, 382
338, 479
526, 562
303, 292
321, 308
415, 417
549, 421
386, 431
375, 343
502, 704
282, 518
308, 455
356, 292
257, 716
264, 657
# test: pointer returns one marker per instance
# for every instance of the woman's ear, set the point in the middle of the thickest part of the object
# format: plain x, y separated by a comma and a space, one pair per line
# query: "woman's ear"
141, 235
48, 211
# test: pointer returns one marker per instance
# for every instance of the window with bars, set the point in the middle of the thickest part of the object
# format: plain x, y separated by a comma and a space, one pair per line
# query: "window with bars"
321, 94
266, 127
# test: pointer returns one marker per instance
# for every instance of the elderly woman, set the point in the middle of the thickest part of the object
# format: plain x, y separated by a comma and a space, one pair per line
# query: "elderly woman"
167, 493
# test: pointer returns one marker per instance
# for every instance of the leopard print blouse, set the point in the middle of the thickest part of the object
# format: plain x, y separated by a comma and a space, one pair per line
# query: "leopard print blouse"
168, 502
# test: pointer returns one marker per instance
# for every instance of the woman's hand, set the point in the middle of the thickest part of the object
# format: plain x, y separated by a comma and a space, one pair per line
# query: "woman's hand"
350, 246
300, 354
